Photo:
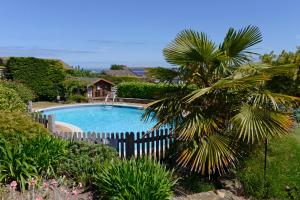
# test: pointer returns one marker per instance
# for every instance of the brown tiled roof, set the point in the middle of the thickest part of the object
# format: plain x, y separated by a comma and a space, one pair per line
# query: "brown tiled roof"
122, 72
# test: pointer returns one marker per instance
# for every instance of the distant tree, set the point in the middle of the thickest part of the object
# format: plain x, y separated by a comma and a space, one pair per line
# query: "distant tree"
161, 74
284, 84
78, 71
117, 67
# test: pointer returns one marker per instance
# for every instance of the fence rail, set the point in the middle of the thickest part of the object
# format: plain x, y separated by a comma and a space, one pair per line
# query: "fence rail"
152, 144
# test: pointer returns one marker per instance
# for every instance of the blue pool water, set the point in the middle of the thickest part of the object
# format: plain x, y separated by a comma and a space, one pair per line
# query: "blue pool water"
102, 118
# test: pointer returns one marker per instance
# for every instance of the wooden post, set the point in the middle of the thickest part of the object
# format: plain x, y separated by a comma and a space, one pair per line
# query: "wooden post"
29, 106
129, 145
51, 123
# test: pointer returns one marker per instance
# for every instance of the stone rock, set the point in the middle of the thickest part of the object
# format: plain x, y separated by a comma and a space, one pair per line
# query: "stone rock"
233, 185
212, 195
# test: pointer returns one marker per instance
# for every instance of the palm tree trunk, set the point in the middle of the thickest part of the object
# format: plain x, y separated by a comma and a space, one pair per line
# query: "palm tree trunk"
265, 164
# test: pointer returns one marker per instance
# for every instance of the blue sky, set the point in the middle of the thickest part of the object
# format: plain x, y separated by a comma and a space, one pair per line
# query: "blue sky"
97, 33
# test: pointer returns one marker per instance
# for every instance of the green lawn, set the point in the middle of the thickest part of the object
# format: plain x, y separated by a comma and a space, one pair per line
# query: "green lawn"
283, 170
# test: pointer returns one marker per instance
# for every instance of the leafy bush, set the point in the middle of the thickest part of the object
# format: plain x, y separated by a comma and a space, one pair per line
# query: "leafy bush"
16, 125
131, 179
146, 90
78, 98
79, 163
10, 100
283, 166
25, 93
43, 76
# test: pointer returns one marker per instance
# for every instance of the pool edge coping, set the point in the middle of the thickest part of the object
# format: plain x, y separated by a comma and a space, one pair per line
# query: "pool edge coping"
87, 104
72, 127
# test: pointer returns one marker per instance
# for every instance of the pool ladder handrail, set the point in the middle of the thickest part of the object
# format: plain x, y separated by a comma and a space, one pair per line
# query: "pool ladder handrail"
113, 100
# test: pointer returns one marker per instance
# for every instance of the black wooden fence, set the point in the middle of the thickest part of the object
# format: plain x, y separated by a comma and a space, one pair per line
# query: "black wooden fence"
153, 144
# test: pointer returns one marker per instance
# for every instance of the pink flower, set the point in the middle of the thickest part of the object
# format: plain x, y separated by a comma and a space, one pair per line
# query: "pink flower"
53, 182
13, 184
39, 197
32, 182
75, 192
45, 185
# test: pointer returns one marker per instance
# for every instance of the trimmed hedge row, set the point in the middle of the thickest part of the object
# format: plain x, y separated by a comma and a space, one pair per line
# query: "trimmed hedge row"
145, 90
43, 76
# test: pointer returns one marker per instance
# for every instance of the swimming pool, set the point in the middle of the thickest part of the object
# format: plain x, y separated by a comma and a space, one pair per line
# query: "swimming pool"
102, 118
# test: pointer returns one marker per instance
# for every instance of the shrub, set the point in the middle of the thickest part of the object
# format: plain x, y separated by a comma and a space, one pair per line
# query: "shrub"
25, 93
131, 179
43, 76
145, 90
78, 98
10, 100
79, 163
16, 125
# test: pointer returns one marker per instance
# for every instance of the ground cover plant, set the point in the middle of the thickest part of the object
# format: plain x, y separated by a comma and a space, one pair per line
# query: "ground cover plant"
282, 177
81, 158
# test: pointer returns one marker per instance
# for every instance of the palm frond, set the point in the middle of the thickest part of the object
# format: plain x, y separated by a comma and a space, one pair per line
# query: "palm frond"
255, 124
237, 43
190, 47
196, 125
213, 153
278, 101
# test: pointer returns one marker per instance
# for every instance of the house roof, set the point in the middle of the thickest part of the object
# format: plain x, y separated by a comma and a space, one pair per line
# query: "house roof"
122, 72
99, 79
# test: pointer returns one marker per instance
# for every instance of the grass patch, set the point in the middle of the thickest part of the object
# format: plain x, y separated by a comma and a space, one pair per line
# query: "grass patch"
283, 170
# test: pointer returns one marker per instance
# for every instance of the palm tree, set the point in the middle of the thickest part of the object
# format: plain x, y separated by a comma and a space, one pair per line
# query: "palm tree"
230, 105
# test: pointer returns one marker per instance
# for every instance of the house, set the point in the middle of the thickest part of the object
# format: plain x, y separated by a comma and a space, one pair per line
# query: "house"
99, 88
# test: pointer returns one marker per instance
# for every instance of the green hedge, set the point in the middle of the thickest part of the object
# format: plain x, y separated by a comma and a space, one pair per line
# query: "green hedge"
43, 76
121, 79
145, 90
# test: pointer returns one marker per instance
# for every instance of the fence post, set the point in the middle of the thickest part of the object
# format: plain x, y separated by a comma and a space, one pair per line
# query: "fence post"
29, 106
51, 123
129, 145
